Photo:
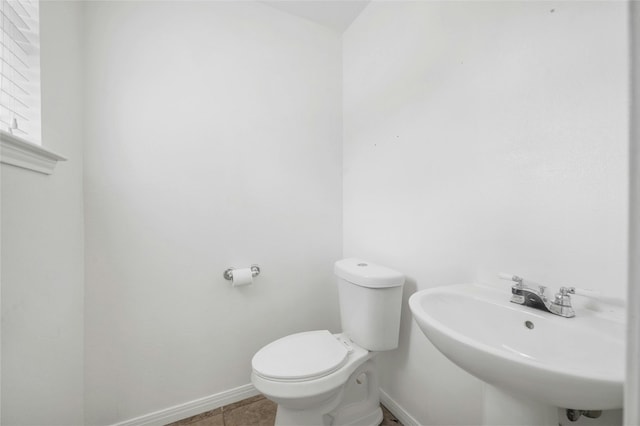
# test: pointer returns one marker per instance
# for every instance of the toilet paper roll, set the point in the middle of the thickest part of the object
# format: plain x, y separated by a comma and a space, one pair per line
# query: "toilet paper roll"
242, 276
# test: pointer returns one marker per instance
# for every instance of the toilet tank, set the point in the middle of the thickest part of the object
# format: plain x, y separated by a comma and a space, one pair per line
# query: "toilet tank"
370, 303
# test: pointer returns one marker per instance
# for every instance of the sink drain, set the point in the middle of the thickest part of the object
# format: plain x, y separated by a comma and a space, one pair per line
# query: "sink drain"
529, 325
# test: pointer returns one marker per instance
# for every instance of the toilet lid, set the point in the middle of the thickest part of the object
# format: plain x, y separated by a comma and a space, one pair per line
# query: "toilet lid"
300, 356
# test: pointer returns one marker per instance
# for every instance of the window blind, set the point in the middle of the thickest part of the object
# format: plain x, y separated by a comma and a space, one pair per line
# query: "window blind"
20, 69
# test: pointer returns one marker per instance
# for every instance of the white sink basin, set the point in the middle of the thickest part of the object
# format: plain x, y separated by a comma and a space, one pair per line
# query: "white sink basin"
563, 362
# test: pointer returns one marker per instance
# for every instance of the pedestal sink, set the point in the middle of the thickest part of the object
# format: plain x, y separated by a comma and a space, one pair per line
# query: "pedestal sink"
534, 362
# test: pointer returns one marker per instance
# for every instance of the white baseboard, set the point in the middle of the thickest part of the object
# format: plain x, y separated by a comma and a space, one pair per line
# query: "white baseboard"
191, 408
211, 402
401, 414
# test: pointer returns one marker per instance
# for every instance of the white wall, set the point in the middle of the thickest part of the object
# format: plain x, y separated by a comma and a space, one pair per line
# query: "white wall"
213, 140
482, 137
42, 246
632, 388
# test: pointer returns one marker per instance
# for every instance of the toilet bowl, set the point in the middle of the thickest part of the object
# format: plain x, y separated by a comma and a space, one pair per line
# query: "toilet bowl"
315, 378
320, 378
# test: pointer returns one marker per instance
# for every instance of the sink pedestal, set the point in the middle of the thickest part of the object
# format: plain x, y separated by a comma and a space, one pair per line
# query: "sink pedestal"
508, 408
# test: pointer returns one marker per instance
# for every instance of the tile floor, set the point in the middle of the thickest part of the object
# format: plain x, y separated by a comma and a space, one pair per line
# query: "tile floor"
256, 411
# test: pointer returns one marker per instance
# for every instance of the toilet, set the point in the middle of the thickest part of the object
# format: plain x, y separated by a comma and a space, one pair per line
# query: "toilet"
320, 378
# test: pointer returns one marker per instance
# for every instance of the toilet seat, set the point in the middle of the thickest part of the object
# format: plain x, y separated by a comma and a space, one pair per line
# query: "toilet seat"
310, 389
300, 357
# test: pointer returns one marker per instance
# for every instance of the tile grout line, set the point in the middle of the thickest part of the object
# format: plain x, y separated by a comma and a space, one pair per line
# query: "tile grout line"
245, 404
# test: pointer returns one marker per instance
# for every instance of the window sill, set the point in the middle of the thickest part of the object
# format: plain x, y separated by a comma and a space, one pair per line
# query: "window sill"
19, 153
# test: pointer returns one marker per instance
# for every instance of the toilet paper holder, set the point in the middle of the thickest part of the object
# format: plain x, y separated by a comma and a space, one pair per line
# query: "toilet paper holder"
228, 274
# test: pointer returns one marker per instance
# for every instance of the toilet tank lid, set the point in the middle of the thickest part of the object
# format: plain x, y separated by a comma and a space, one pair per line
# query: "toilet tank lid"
367, 274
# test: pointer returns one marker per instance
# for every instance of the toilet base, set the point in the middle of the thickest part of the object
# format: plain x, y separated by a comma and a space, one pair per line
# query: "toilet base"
357, 403
286, 417
371, 418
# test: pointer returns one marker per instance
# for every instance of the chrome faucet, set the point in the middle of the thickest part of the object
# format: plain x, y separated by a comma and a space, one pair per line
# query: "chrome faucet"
534, 295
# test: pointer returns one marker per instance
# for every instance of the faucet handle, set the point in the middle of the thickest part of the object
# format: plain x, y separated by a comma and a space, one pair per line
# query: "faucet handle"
510, 277
594, 294
565, 291
562, 300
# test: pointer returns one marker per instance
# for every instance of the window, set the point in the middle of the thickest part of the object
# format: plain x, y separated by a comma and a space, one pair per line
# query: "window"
20, 70
20, 133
